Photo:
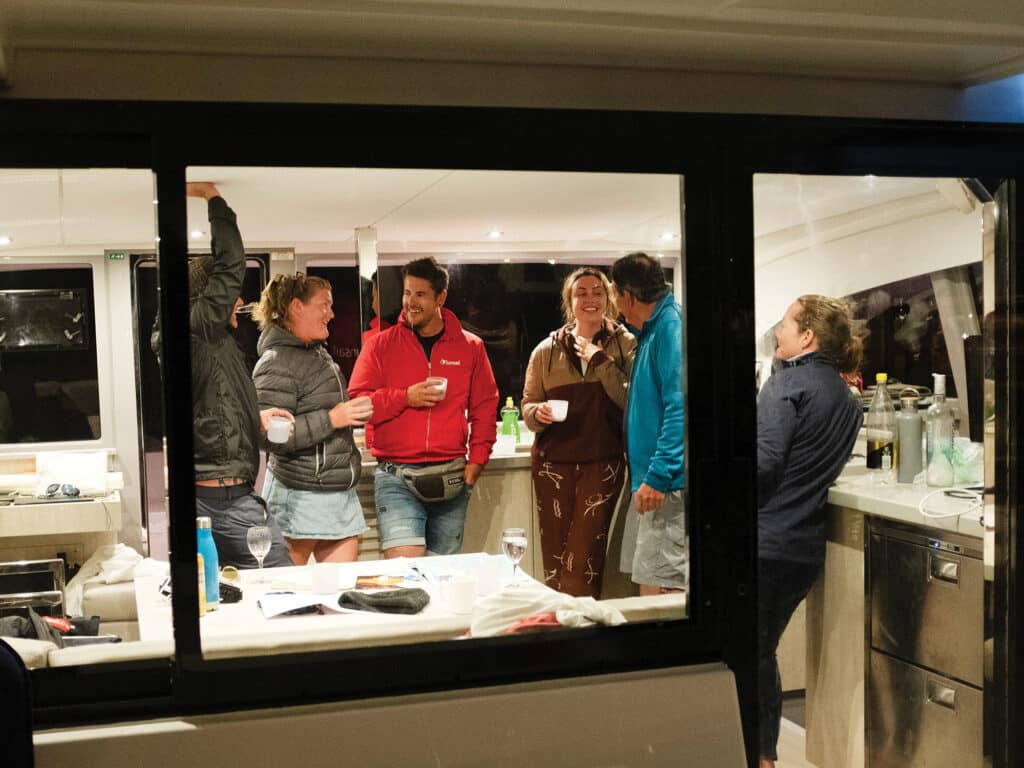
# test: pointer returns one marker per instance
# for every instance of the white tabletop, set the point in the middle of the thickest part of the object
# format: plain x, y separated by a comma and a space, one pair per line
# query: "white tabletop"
242, 627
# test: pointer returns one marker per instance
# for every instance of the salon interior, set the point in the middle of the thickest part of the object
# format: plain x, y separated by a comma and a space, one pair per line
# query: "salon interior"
881, 652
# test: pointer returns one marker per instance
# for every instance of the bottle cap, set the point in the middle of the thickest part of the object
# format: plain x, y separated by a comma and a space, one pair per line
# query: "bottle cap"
940, 383
881, 378
909, 398
508, 402
203, 522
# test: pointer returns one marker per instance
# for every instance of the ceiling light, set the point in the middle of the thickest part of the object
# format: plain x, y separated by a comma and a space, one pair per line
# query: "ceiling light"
508, 260
197, 233
667, 236
551, 261
494, 234
5, 239
661, 255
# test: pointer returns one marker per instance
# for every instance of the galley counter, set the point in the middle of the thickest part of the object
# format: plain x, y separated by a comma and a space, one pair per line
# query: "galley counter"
924, 575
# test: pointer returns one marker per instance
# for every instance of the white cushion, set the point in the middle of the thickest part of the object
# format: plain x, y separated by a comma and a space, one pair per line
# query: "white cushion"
111, 602
35, 653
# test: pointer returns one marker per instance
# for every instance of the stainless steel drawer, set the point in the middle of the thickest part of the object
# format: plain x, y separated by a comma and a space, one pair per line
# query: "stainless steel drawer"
920, 719
927, 605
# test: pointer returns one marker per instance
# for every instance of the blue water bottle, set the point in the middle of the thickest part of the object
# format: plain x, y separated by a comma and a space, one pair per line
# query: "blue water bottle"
211, 565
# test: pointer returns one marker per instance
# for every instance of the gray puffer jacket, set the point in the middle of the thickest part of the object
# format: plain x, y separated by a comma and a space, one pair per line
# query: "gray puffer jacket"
304, 380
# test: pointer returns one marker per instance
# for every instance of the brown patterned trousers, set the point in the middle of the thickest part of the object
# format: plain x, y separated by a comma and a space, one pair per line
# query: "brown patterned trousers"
575, 503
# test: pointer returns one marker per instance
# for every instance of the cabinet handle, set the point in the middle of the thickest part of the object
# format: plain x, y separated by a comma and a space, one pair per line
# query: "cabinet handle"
941, 569
942, 695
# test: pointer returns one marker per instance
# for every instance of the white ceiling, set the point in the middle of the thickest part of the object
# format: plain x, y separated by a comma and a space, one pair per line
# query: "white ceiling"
444, 212
929, 41
316, 211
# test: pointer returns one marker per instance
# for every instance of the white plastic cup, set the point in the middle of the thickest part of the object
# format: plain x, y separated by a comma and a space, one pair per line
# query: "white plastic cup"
458, 594
559, 409
440, 383
278, 429
325, 578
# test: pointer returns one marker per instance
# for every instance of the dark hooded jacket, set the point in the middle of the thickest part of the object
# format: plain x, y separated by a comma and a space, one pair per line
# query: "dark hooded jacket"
304, 380
225, 417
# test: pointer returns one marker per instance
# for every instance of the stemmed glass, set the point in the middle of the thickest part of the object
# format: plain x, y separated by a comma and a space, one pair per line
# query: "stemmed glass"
513, 542
258, 539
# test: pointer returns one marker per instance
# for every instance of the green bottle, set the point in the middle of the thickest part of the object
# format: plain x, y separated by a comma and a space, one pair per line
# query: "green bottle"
510, 419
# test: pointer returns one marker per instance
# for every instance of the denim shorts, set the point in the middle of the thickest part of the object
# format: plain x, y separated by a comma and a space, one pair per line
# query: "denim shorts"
404, 520
327, 515
662, 557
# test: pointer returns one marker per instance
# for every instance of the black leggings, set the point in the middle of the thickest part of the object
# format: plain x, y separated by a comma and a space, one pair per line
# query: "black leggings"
781, 585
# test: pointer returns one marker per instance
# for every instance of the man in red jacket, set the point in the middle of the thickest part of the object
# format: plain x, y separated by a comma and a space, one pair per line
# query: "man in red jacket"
425, 375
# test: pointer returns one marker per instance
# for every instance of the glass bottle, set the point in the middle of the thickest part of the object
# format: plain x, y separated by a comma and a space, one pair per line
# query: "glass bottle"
939, 437
880, 424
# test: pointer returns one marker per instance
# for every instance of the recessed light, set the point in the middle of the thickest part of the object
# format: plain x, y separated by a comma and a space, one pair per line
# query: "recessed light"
551, 261
5, 239
667, 235
197, 233
494, 234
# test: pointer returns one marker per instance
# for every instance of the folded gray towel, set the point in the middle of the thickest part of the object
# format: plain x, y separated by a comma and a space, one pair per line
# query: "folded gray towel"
411, 600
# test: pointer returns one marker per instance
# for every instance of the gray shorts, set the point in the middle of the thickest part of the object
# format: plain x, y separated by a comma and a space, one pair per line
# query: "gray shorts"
662, 557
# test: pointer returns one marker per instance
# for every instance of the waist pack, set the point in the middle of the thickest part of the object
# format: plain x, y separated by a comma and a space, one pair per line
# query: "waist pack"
437, 482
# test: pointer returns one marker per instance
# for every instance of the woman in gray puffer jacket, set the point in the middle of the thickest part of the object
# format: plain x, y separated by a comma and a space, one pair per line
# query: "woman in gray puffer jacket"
311, 478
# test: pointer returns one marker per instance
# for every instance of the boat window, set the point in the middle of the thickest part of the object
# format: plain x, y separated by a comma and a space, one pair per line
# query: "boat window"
507, 243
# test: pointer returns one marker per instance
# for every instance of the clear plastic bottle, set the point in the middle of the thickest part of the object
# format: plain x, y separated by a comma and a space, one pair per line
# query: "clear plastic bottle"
939, 437
880, 425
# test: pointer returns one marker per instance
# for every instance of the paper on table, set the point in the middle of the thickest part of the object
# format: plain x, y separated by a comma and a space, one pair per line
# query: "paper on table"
294, 603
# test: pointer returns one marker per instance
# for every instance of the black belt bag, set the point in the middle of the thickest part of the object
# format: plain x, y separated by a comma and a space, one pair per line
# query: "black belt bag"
437, 482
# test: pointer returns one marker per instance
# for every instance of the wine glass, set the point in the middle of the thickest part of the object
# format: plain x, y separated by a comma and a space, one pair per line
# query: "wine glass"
513, 542
258, 539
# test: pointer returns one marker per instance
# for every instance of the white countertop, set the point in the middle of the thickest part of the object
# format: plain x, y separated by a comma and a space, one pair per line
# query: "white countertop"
900, 501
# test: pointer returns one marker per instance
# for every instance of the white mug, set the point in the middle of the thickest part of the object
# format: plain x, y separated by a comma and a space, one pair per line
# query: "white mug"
559, 409
458, 593
278, 429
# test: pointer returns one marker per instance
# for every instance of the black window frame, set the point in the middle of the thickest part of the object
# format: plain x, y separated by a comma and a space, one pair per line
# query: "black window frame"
718, 156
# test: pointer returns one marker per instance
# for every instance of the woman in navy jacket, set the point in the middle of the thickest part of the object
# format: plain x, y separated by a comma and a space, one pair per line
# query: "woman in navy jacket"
807, 423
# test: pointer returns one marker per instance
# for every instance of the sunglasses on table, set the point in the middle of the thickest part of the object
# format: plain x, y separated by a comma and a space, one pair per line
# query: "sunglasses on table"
59, 489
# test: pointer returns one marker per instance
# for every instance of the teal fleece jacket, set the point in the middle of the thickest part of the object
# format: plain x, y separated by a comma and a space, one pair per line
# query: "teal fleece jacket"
654, 413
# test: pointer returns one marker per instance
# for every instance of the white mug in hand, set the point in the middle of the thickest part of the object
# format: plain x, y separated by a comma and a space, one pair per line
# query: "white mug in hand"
559, 409
440, 383
278, 429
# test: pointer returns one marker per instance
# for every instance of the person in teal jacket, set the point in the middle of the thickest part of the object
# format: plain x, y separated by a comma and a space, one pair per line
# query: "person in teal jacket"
654, 424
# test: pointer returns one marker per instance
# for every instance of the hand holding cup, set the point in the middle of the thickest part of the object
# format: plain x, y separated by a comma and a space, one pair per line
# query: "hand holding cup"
559, 409
277, 423
352, 413
427, 393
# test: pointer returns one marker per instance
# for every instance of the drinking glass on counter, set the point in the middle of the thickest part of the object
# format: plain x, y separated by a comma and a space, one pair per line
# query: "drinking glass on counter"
258, 539
513, 543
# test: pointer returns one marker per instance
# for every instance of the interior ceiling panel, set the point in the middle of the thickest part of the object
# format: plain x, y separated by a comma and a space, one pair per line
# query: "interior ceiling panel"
946, 41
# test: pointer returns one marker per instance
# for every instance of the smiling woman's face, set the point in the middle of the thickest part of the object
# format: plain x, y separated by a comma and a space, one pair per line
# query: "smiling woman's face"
308, 322
588, 299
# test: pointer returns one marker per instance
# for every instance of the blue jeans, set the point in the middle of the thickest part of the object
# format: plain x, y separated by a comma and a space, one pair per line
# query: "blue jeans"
404, 520
781, 585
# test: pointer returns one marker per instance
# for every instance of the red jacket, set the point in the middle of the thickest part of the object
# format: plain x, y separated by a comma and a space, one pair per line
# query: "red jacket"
393, 360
